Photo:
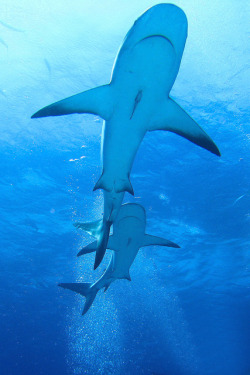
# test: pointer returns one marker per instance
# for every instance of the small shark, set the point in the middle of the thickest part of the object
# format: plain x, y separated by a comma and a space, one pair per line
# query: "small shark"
128, 237
135, 101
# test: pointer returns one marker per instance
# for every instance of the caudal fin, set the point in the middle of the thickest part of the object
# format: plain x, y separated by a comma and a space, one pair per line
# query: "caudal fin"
100, 230
85, 290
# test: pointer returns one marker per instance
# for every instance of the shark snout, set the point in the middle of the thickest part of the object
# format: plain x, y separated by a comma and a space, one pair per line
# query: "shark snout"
167, 20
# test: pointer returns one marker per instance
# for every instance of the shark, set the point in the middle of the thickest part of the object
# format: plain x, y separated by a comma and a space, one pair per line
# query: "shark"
136, 100
125, 242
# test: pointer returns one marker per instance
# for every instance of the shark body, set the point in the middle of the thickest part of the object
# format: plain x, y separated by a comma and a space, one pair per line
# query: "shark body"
135, 101
128, 237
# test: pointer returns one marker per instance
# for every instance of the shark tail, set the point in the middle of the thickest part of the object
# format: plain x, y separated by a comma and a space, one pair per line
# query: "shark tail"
119, 185
100, 230
85, 290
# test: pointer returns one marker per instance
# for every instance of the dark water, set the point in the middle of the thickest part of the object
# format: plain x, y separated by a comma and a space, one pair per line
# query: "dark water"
186, 311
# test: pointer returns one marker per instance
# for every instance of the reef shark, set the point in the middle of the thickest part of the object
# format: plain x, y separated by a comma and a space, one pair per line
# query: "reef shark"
128, 237
135, 101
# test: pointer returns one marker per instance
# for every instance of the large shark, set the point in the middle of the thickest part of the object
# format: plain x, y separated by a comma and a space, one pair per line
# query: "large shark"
128, 237
135, 101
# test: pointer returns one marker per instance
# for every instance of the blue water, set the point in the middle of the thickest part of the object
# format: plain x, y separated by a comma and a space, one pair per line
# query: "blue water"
186, 311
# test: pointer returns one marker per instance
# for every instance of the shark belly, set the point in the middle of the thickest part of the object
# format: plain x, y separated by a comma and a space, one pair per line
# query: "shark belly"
120, 144
129, 246
123, 260
134, 102
143, 74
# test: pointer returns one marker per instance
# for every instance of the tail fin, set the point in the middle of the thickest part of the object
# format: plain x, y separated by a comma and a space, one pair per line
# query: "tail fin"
100, 230
93, 228
85, 290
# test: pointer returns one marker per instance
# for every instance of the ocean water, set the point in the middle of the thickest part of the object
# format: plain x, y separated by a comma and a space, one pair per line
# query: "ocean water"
186, 311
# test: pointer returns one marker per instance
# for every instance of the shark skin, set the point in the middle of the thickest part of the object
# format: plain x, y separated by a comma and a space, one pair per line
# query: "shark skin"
135, 101
128, 237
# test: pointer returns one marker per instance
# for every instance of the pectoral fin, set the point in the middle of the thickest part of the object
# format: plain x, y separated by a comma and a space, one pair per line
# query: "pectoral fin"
173, 118
91, 248
97, 101
149, 240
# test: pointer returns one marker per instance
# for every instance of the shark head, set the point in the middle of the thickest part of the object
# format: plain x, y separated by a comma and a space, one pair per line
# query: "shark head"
132, 210
131, 219
166, 20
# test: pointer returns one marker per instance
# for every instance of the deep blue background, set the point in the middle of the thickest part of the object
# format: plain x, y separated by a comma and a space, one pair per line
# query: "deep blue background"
186, 310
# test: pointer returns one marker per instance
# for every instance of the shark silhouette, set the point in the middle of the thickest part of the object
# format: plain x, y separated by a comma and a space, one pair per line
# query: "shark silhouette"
128, 237
134, 102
